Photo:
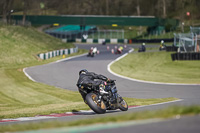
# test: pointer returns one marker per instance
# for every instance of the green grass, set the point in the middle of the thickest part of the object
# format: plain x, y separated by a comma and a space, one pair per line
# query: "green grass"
19, 96
136, 101
170, 112
159, 67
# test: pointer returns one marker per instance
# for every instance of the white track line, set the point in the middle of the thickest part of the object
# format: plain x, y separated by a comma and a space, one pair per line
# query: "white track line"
24, 70
156, 104
137, 80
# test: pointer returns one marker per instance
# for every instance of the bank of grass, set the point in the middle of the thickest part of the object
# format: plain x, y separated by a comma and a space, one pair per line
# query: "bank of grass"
158, 67
169, 112
21, 97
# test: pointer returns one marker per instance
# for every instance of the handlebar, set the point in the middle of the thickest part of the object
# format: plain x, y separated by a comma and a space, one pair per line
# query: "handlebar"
111, 82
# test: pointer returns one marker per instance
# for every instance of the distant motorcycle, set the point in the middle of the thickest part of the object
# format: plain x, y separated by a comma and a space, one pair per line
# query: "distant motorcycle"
142, 48
92, 52
100, 100
119, 50
162, 47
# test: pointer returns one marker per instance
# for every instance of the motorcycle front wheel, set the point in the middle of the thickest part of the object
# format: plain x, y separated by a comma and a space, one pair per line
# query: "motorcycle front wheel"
123, 106
97, 107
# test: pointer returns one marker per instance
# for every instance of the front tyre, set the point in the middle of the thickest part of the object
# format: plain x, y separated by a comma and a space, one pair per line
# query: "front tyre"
97, 107
123, 106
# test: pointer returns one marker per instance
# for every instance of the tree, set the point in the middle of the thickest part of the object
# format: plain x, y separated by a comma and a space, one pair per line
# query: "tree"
7, 6
138, 8
164, 8
26, 6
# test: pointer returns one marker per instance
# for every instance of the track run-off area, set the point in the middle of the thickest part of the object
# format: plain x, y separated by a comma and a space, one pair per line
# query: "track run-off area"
64, 74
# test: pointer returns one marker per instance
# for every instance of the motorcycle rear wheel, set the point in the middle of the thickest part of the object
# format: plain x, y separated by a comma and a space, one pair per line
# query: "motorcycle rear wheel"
97, 107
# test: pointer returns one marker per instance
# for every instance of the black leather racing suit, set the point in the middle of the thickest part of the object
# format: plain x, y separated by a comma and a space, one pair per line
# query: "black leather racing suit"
89, 79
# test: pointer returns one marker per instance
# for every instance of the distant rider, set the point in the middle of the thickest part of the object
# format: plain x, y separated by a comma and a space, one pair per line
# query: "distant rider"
92, 51
142, 48
119, 50
92, 80
162, 46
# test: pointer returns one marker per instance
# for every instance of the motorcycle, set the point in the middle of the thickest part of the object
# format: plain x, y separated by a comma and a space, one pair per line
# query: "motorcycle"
142, 49
92, 52
162, 47
118, 51
100, 100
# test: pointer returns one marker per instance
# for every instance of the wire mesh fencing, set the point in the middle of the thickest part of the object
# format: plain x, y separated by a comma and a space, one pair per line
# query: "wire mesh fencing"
188, 42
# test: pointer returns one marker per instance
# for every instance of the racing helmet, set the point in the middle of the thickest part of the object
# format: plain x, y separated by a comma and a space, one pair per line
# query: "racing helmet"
83, 71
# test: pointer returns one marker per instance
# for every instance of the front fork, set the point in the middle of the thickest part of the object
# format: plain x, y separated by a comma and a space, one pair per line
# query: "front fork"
114, 92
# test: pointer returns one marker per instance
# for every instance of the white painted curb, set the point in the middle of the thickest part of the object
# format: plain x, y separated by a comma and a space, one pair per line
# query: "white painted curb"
179, 100
24, 70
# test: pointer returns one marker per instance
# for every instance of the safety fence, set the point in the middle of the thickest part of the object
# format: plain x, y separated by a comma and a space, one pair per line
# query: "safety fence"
54, 53
187, 45
188, 42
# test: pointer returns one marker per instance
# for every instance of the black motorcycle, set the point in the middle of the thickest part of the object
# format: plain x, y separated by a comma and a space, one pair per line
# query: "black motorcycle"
162, 47
142, 48
100, 100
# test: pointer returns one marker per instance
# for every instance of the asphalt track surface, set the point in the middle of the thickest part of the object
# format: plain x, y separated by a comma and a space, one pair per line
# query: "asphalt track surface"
64, 74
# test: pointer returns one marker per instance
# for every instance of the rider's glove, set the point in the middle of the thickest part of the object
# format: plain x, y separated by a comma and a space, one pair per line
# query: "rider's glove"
102, 86
110, 80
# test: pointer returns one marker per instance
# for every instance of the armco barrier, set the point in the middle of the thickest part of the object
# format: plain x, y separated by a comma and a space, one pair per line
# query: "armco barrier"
100, 41
54, 53
186, 56
171, 48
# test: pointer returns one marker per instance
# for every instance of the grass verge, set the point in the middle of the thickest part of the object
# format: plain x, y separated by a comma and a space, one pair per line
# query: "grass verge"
164, 113
158, 67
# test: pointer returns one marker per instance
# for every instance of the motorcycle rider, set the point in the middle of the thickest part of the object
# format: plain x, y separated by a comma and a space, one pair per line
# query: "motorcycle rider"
119, 50
142, 48
162, 46
91, 80
92, 51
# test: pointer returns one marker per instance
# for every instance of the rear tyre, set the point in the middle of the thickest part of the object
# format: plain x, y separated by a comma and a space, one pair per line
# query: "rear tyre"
123, 106
97, 107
